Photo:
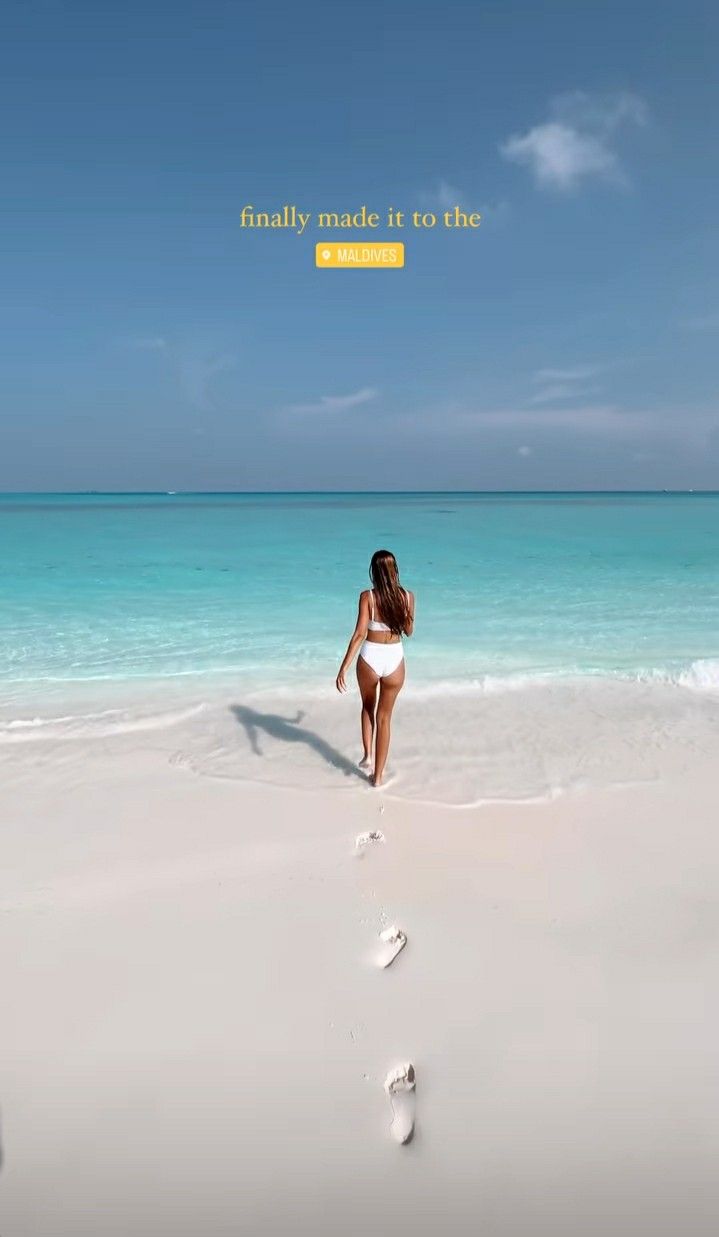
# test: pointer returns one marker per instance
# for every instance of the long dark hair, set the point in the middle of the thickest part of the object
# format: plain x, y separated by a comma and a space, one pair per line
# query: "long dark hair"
391, 598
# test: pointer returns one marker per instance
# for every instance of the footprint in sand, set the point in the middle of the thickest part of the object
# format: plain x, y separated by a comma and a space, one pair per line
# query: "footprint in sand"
399, 1086
393, 942
363, 840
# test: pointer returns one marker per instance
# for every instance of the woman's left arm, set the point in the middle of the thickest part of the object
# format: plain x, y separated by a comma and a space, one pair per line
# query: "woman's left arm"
356, 639
409, 628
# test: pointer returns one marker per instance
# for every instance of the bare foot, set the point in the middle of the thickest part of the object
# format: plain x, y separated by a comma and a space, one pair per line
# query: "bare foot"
365, 762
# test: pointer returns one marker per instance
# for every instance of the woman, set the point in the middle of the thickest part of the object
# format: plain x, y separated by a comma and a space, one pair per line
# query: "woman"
386, 613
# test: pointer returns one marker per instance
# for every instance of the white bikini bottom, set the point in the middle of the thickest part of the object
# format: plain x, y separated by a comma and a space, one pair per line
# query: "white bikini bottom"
383, 658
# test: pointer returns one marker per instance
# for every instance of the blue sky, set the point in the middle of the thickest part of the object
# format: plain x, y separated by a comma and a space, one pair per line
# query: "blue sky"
150, 343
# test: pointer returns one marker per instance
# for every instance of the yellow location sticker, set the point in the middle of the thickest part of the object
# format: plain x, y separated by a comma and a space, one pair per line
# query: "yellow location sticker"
360, 255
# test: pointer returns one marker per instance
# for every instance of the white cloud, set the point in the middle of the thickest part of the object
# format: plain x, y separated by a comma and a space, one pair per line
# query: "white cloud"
577, 142
336, 403
524, 451
559, 156
576, 374
564, 384
602, 113
555, 391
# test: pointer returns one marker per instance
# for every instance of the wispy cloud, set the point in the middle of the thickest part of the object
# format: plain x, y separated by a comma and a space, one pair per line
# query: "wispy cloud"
575, 374
336, 403
608, 421
443, 196
196, 369
556, 385
640, 429
577, 142
555, 391
590, 418
193, 362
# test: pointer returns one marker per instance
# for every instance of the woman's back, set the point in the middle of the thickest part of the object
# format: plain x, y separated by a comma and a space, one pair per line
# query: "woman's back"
376, 623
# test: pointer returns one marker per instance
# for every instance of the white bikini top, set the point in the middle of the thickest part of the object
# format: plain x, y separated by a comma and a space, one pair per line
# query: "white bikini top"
372, 625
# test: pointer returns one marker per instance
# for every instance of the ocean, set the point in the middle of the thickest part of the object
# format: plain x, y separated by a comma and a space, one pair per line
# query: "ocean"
560, 638
264, 586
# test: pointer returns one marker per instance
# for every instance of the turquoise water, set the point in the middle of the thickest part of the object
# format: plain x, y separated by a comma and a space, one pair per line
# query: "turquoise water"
264, 586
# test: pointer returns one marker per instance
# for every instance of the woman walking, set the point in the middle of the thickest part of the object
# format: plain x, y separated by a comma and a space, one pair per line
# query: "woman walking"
385, 615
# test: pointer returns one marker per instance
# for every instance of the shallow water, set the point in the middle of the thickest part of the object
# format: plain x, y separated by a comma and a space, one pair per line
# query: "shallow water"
265, 586
563, 641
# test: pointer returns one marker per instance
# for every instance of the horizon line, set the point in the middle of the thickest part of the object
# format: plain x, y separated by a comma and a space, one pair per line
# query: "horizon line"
264, 493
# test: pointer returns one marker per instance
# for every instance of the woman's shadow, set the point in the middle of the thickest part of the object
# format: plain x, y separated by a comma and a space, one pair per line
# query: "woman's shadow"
288, 730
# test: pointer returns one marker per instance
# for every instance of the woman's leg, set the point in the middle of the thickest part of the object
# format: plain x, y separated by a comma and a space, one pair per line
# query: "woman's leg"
389, 689
367, 680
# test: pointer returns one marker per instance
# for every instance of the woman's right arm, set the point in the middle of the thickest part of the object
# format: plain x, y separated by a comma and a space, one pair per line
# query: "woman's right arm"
356, 639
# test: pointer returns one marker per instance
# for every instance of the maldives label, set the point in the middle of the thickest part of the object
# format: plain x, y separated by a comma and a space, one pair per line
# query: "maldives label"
359, 256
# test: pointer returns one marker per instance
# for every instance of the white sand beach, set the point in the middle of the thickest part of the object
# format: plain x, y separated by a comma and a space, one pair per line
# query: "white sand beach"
196, 1029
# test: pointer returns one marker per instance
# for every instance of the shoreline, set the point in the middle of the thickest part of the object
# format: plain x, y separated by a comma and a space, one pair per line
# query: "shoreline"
519, 742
